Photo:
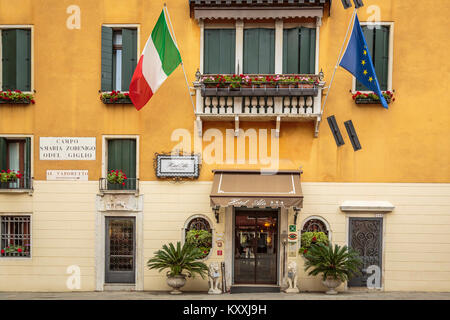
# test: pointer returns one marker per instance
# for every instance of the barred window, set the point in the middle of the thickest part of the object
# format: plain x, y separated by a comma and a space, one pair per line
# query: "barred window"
199, 234
15, 236
315, 225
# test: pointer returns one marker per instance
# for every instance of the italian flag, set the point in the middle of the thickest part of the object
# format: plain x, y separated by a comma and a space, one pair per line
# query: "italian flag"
159, 59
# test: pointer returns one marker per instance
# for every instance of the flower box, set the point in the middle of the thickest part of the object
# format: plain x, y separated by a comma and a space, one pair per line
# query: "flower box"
271, 91
372, 98
117, 101
115, 97
15, 97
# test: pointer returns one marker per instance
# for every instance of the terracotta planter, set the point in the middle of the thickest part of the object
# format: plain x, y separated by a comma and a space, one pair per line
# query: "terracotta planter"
331, 284
176, 282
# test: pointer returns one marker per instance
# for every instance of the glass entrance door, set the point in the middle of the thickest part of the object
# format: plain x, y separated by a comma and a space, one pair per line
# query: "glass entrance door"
256, 247
120, 250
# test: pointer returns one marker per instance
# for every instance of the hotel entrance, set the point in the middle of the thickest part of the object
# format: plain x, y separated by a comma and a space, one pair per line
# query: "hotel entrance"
256, 247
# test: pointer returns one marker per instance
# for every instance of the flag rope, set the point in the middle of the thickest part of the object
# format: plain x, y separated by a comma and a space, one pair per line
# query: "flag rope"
182, 65
337, 64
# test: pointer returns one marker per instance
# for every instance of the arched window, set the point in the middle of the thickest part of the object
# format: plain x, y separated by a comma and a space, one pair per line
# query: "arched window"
198, 232
315, 225
315, 230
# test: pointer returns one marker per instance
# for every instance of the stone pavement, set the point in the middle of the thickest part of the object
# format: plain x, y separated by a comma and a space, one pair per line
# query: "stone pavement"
160, 295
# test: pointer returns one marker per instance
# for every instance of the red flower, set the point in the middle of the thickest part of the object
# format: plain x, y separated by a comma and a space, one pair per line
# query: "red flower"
123, 183
19, 250
32, 101
2, 251
196, 236
305, 251
314, 239
205, 252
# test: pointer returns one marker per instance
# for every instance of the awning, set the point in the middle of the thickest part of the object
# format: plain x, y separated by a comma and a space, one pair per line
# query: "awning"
260, 13
256, 189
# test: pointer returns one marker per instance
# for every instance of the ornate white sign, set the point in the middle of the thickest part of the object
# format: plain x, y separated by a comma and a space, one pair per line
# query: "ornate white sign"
67, 175
177, 166
67, 148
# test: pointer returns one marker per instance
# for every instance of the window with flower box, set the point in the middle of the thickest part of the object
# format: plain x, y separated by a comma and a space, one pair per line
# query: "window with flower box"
15, 66
121, 165
15, 163
378, 38
15, 234
119, 59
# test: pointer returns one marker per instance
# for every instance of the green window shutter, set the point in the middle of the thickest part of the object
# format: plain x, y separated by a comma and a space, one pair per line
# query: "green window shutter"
129, 55
122, 156
219, 51
291, 51
259, 51
307, 50
3, 151
381, 56
27, 163
369, 35
23, 60
9, 59
16, 59
107, 59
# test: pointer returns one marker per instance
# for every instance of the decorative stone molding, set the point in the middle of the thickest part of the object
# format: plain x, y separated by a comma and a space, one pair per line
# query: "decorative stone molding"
119, 202
366, 206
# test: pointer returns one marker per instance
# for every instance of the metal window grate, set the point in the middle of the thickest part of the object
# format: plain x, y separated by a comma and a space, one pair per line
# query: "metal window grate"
15, 235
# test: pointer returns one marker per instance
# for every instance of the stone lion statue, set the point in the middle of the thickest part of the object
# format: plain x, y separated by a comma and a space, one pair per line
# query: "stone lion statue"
292, 278
214, 276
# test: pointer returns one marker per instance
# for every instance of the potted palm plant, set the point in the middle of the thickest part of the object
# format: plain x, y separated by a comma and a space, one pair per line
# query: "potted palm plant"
181, 262
336, 265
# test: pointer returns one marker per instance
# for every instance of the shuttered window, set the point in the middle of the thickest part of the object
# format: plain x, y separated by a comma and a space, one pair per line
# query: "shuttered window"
119, 58
259, 51
378, 43
219, 51
122, 156
299, 50
16, 59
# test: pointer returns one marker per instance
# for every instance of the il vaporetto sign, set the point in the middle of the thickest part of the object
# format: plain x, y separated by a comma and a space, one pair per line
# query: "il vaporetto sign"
67, 148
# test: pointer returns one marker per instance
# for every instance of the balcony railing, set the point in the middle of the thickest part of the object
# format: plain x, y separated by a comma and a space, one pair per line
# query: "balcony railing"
24, 184
263, 101
131, 185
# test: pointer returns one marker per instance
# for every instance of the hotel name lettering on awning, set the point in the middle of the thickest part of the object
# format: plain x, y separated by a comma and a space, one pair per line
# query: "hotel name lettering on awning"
254, 203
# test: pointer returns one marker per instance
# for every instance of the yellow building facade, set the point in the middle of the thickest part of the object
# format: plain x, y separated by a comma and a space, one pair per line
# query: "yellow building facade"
398, 183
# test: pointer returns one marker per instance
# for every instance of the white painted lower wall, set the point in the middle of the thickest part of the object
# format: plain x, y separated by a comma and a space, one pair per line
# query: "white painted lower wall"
416, 253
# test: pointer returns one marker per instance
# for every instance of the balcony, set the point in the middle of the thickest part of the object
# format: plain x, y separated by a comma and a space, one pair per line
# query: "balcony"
21, 185
282, 98
131, 185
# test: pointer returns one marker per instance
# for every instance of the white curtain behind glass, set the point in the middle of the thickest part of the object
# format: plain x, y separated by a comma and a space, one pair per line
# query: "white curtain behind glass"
14, 160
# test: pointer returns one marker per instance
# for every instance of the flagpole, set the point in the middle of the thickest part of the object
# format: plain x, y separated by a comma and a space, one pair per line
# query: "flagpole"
182, 65
338, 61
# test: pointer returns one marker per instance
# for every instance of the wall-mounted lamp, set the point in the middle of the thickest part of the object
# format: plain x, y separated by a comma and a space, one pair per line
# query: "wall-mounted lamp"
297, 210
198, 75
216, 213
321, 75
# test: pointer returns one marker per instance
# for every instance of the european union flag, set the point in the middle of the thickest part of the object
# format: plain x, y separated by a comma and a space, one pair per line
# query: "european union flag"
357, 61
